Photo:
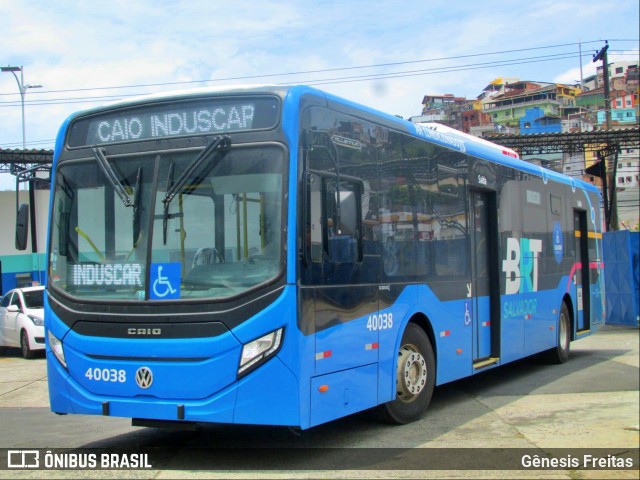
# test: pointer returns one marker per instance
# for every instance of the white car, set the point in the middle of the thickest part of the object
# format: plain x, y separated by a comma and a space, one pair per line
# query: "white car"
22, 320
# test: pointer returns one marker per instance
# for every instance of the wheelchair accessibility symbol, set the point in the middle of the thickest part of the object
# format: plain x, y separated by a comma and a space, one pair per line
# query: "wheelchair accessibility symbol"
165, 281
467, 314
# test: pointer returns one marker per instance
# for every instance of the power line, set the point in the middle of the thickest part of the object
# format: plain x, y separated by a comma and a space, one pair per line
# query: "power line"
30, 143
333, 80
327, 81
61, 101
326, 70
424, 72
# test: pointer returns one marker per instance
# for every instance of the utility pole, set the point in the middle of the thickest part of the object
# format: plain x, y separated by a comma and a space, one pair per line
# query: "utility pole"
602, 55
611, 215
580, 60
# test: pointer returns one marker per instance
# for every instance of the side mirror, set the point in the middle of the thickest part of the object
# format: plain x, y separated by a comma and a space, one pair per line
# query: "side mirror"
13, 309
22, 226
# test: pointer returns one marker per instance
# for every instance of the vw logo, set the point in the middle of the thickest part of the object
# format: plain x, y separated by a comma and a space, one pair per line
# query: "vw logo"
144, 377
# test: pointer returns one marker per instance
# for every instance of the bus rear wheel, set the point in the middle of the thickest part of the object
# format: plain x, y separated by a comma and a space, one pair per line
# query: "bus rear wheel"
560, 353
415, 378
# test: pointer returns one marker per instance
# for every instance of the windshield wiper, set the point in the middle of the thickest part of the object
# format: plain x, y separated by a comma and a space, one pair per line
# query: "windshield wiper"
165, 215
220, 146
111, 176
136, 207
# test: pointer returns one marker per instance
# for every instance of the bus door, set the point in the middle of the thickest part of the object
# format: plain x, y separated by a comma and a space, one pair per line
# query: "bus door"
339, 300
345, 297
485, 287
581, 275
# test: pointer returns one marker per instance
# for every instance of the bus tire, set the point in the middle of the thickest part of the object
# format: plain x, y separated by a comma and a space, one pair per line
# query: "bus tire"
415, 378
560, 353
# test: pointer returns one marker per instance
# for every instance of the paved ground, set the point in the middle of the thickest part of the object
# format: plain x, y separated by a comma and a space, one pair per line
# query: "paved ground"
590, 402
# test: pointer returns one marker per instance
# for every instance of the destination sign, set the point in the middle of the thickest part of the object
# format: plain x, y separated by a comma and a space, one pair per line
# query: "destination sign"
111, 274
205, 116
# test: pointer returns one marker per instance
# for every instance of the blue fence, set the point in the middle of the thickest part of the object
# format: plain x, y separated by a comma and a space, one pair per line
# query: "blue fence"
622, 277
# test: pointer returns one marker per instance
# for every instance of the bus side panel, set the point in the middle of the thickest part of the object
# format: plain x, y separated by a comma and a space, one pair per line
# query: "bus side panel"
539, 265
342, 393
512, 333
541, 325
352, 337
279, 404
453, 334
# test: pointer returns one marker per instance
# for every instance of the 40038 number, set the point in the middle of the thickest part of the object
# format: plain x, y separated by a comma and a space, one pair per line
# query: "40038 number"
384, 321
106, 375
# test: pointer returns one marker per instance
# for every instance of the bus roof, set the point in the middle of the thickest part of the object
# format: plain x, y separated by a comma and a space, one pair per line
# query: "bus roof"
434, 132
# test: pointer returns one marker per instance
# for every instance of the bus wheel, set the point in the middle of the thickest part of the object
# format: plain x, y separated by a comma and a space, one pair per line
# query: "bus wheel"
560, 353
415, 380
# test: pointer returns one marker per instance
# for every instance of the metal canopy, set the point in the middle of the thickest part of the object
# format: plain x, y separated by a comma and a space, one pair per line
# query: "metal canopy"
606, 142
578, 142
28, 166
13, 161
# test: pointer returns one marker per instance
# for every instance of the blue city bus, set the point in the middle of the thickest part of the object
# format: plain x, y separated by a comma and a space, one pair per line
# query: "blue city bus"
282, 256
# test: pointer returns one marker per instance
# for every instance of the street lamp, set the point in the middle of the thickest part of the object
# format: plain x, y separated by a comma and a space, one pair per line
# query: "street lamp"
32, 198
23, 90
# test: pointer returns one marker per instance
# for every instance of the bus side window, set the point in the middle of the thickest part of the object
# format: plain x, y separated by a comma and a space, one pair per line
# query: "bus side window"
333, 226
313, 225
342, 213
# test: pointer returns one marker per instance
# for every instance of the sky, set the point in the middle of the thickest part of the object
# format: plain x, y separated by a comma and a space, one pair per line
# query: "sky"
385, 54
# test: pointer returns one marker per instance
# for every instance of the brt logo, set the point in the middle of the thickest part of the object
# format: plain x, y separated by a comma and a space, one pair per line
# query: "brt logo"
521, 265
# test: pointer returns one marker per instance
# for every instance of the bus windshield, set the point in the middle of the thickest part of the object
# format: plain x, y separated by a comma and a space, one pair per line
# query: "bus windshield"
217, 236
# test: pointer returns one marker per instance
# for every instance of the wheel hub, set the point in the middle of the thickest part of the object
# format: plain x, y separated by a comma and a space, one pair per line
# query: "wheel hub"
412, 373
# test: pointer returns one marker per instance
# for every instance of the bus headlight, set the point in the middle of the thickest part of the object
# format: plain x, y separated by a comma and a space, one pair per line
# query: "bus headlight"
56, 347
259, 351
